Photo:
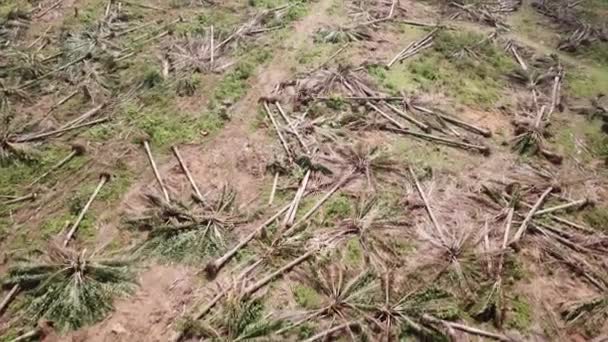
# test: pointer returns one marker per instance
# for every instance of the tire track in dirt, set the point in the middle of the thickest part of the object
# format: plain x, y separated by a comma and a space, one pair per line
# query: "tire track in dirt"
237, 155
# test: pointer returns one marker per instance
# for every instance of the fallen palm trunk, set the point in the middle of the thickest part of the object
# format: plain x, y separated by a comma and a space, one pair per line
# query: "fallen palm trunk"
59, 103
28, 197
414, 47
578, 203
426, 128
361, 98
475, 129
193, 184
77, 150
332, 330
104, 179
524, 225
213, 267
58, 131
159, 179
52, 72
28, 336
48, 9
386, 116
9, 298
449, 142
291, 213
292, 127
347, 176
278, 130
83, 117
466, 329
427, 206
274, 188
556, 218
278, 273
555, 95
201, 313
521, 62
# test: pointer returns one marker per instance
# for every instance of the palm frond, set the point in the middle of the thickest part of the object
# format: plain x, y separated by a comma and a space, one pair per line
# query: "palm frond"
591, 313
70, 288
189, 234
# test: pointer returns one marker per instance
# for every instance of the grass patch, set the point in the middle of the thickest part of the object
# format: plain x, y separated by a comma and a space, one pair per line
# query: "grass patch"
9, 6
587, 82
520, 314
597, 218
354, 253
306, 297
596, 141
471, 81
338, 208
530, 24
430, 155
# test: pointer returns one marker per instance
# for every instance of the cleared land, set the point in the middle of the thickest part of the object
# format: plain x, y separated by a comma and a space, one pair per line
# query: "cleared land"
298, 170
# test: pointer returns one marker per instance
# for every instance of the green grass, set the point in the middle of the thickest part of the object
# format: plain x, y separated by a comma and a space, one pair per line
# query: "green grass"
567, 133
469, 81
597, 218
520, 314
339, 207
433, 156
587, 82
306, 297
529, 23
8, 6
353, 254
15, 176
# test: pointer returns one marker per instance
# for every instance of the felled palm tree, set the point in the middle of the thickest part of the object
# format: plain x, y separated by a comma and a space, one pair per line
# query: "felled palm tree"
590, 312
343, 292
9, 149
403, 308
179, 233
342, 34
370, 161
370, 226
237, 319
452, 250
71, 288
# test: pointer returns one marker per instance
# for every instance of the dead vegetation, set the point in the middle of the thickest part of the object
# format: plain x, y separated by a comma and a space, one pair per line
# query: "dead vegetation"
353, 240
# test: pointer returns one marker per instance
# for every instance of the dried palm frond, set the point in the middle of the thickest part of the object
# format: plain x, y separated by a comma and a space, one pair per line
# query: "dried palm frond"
344, 80
12, 26
71, 288
484, 13
27, 65
179, 233
591, 313
371, 161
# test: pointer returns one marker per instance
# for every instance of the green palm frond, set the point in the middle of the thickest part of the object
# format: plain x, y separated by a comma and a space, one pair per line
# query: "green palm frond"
342, 293
69, 288
237, 319
188, 234
402, 310
371, 227
341, 35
